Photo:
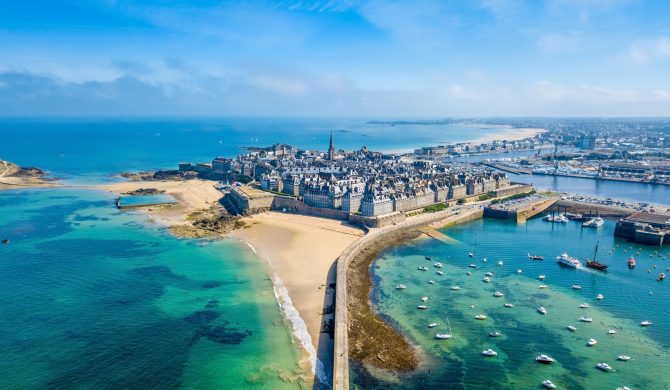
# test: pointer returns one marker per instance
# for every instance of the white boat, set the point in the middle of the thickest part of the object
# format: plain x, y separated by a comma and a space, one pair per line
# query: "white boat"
568, 261
592, 342
400, 287
541, 277
600, 297
586, 319
422, 307
576, 287
485, 260
623, 388
604, 366
495, 334
468, 273
594, 222
519, 271
438, 265
431, 281
489, 273
542, 286
500, 263
571, 328
443, 336
472, 265
471, 254
440, 273
584, 306
560, 218
455, 288
645, 323
473, 306
508, 305
611, 332
432, 324
623, 358
422, 268
544, 359
498, 294
481, 317
486, 279
489, 352
424, 299
548, 384
542, 310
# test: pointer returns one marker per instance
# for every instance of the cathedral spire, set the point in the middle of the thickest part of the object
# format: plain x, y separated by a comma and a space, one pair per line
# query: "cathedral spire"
331, 148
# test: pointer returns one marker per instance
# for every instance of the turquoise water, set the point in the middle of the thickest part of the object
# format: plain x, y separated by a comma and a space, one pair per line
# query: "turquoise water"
140, 200
457, 363
92, 297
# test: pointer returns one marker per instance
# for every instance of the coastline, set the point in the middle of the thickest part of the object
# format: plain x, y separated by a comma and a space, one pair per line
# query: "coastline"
510, 134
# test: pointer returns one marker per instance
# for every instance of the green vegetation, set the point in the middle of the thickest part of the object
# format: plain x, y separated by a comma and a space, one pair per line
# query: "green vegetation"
515, 196
487, 196
435, 208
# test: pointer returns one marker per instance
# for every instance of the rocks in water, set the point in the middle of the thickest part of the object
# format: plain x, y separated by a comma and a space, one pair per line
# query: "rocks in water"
145, 191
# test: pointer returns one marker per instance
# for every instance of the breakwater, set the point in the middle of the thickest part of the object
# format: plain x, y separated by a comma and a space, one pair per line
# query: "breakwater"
341, 350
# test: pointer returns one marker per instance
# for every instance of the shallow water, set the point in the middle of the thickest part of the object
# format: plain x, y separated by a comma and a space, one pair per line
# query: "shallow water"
457, 363
93, 297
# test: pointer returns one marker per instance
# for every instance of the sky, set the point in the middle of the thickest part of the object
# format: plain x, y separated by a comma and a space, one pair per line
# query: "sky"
335, 58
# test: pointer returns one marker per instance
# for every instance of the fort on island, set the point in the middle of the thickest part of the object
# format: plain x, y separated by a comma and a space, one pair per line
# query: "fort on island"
367, 188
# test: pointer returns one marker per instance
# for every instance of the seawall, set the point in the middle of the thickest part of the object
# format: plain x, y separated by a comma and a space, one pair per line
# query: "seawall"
341, 351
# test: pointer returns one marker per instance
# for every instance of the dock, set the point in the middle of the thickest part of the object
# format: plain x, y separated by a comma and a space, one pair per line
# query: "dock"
522, 210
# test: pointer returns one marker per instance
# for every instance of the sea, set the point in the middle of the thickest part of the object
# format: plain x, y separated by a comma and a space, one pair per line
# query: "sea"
95, 297
630, 297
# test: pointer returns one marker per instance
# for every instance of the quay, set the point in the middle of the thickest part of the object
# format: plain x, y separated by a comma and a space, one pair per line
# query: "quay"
645, 228
507, 168
520, 210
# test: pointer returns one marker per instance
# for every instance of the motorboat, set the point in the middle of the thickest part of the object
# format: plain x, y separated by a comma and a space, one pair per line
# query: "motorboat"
584, 306
545, 359
645, 323
611, 332
422, 307
592, 342
594, 222
571, 328
586, 319
500, 263
489, 273
542, 286
486, 279
542, 310
566, 260
576, 287
604, 366
623, 358
498, 294
495, 334
443, 336
472, 265
471, 254
541, 277
481, 317
661, 277
422, 268
508, 305
489, 352
400, 287
485, 260
438, 265
631, 262
473, 306
440, 273
548, 384
519, 271
535, 257
455, 288
424, 299
560, 218
431, 281
600, 297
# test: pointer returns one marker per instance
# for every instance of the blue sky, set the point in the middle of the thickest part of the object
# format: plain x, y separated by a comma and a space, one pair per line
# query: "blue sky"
387, 58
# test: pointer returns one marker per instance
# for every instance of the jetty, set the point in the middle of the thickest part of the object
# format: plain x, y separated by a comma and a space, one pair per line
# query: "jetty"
520, 210
645, 228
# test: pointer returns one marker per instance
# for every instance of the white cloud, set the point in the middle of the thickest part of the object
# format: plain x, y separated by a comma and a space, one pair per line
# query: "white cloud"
649, 49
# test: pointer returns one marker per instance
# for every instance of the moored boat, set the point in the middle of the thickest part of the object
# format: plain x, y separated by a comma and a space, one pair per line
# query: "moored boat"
400, 287
500, 263
571, 328
600, 297
508, 305
455, 288
645, 323
624, 358
576, 287
535, 257
631, 262
548, 384
489, 352
592, 342
544, 359
495, 334
584, 306
542, 310
604, 366
443, 336
486, 279
586, 319
594, 222
611, 332
439, 273
438, 265
498, 294
481, 317
422, 268
432, 324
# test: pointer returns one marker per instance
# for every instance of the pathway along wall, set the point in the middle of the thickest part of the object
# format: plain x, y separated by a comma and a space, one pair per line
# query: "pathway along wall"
341, 352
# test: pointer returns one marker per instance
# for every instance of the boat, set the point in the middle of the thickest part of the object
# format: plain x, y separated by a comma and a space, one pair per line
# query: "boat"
542, 310
468, 273
519, 271
600, 297
645, 323
535, 257
631, 262
545, 359
594, 222
604, 366
429, 258
623, 388
422, 307
489, 352
611, 332
586, 319
455, 288
500, 263
437, 265
560, 218
508, 305
481, 317
495, 334
400, 287
571, 328
541, 277
473, 306
486, 279
472, 265
543, 286
485, 260
594, 264
592, 342
498, 294
489, 273
548, 384
568, 261
574, 216
431, 281
623, 358
584, 306
471, 254
661, 277
440, 273
432, 324
576, 287
548, 218
5, 241
424, 299
443, 336
422, 268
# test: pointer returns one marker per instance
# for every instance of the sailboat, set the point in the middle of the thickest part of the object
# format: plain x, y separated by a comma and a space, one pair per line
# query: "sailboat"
593, 263
444, 336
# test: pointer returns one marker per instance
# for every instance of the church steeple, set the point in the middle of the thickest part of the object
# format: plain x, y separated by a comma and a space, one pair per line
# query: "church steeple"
331, 148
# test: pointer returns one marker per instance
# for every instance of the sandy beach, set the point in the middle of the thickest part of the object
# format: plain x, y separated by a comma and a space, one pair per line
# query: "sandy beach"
509, 134
301, 252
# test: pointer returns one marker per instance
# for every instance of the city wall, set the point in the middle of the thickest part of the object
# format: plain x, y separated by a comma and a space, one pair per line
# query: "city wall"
341, 353
292, 205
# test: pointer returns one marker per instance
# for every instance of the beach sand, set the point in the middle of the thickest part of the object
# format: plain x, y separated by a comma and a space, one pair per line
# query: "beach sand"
510, 134
191, 195
301, 252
